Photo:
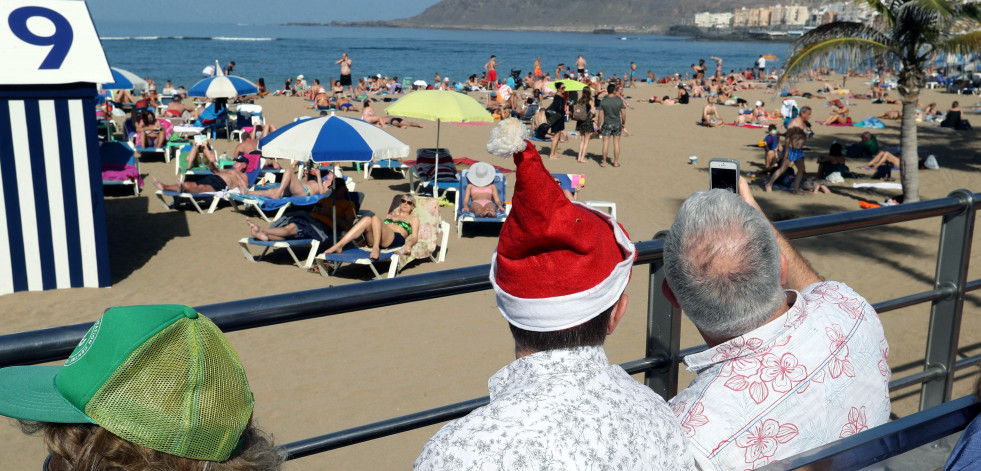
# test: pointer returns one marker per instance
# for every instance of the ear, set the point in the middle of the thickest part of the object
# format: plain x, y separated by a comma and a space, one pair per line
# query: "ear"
618, 310
783, 270
666, 289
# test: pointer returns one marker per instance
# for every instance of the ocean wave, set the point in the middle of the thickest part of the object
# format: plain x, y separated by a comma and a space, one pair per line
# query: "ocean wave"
182, 38
223, 38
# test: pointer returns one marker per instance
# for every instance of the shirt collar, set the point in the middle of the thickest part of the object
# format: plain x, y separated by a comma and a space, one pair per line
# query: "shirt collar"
532, 368
749, 343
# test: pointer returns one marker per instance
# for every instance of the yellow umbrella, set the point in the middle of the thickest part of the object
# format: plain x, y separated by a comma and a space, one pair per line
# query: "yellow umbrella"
439, 106
570, 85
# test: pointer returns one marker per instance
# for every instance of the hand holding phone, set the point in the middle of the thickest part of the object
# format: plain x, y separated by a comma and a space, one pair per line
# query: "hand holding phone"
724, 174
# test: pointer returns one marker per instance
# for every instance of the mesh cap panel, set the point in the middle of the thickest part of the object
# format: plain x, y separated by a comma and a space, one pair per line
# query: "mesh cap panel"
183, 392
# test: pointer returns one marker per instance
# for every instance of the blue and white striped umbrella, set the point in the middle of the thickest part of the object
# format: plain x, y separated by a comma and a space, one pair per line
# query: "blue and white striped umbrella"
223, 86
123, 79
332, 139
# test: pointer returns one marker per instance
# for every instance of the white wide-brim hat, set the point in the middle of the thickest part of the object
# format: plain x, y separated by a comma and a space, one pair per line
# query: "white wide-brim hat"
481, 174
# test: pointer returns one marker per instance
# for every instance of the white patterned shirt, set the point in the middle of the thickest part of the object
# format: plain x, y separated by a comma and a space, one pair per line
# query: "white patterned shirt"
814, 375
563, 409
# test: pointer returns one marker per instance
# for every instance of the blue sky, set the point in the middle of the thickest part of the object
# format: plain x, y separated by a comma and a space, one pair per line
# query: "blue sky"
255, 11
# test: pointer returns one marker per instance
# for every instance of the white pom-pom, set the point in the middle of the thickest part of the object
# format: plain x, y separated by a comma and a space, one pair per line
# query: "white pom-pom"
507, 138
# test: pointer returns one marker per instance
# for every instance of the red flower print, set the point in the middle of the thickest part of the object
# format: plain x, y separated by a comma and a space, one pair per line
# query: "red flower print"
678, 408
782, 372
694, 419
735, 355
883, 364
856, 423
840, 363
761, 441
757, 389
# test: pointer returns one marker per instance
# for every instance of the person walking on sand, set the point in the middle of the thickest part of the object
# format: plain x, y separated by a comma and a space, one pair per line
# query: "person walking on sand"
580, 66
613, 116
491, 68
556, 118
345, 63
761, 68
538, 67
633, 74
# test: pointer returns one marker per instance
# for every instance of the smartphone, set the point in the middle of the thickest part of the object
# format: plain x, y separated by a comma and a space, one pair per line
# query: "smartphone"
724, 174
200, 139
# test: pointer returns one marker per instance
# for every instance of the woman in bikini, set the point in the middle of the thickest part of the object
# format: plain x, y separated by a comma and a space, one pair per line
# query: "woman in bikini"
481, 197
399, 229
292, 186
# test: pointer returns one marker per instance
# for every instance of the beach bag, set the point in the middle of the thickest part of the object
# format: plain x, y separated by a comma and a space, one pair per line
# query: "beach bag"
835, 177
579, 112
552, 117
931, 162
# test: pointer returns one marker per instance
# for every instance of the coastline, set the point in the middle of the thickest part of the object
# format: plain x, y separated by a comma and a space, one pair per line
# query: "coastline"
692, 33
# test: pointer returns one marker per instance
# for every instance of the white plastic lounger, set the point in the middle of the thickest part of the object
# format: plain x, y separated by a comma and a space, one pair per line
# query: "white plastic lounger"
289, 245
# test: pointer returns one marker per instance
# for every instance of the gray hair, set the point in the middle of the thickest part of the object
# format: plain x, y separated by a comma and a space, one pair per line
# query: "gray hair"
722, 262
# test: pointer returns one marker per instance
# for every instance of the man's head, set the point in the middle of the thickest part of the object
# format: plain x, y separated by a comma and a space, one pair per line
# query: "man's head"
723, 265
612, 87
866, 136
554, 275
241, 163
805, 113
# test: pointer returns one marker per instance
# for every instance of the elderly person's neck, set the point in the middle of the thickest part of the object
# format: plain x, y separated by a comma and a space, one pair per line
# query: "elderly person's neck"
713, 341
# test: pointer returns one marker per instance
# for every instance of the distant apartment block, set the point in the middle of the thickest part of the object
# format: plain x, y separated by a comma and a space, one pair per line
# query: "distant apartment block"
713, 20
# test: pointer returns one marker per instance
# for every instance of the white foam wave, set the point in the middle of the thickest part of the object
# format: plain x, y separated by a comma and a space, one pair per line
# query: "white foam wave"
224, 38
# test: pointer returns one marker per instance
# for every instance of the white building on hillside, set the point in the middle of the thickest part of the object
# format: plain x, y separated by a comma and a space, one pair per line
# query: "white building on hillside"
713, 20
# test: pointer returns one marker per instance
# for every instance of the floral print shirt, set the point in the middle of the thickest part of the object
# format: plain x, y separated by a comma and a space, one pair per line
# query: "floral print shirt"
810, 377
565, 409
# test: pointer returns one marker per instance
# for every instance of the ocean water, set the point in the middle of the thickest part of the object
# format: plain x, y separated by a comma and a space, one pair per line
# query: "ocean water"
179, 51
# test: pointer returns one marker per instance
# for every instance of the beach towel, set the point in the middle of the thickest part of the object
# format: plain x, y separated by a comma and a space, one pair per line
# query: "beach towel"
466, 161
871, 122
882, 186
747, 126
121, 172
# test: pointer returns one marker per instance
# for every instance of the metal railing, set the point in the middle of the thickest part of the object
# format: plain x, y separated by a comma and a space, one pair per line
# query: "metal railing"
663, 353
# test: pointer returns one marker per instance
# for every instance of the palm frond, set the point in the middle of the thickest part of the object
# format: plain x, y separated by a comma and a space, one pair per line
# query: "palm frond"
966, 43
853, 50
916, 27
877, 6
943, 8
970, 12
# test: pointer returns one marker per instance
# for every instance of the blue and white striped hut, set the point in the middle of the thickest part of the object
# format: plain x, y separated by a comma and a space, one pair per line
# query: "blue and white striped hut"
52, 213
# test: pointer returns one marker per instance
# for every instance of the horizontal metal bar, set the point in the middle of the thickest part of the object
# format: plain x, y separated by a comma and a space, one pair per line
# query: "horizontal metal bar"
886, 440
352, 436
972, 285
967, 362
928, 374
912, 299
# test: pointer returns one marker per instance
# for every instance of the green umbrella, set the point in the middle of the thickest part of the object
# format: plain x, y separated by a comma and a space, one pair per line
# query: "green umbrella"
570, 85
439, 106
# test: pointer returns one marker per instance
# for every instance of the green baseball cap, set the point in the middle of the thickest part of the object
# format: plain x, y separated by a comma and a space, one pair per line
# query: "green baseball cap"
160, 376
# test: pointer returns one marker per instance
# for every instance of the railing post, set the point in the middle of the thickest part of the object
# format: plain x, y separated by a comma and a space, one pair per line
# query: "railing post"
953, 258
663, 332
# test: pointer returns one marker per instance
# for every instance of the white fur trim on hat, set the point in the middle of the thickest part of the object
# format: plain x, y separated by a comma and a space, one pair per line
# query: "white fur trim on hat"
564, 312
507, 138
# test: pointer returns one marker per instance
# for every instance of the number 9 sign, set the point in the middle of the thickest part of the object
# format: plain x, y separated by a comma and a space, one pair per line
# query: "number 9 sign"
60, 41
50, 44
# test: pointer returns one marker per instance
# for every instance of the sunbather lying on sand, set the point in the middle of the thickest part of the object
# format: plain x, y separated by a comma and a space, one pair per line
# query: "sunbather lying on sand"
219, 180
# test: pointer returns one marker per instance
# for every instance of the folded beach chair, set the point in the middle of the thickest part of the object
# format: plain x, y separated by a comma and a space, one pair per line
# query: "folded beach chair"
428, 175
464, 215
293, 244
212, 121
433, 234
120, 166
209, 199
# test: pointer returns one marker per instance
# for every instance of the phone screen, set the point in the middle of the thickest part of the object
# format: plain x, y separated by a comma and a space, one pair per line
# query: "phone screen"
725, 178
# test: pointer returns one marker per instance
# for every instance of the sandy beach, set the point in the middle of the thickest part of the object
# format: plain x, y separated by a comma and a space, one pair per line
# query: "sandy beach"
324, 375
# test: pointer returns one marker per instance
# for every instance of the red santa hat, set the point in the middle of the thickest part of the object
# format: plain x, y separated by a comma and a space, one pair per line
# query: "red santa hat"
558, 263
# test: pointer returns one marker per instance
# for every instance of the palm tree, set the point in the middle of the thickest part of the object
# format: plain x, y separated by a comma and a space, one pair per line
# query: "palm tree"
904, 32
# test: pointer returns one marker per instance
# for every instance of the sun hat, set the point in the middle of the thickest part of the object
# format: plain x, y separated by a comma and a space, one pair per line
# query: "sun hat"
759, 103
481, 174
299, 77
160, 376
558, 263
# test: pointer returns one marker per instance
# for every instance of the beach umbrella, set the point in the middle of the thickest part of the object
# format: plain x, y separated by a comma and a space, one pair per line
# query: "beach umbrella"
570, 85
439, 106
123, 79
332, 139
222, 86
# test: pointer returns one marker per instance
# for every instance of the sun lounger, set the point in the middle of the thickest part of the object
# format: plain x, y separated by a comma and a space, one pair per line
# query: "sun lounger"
387, 164
120, 166
427, 174
464, 215
433, 233
211, 200
289, 245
